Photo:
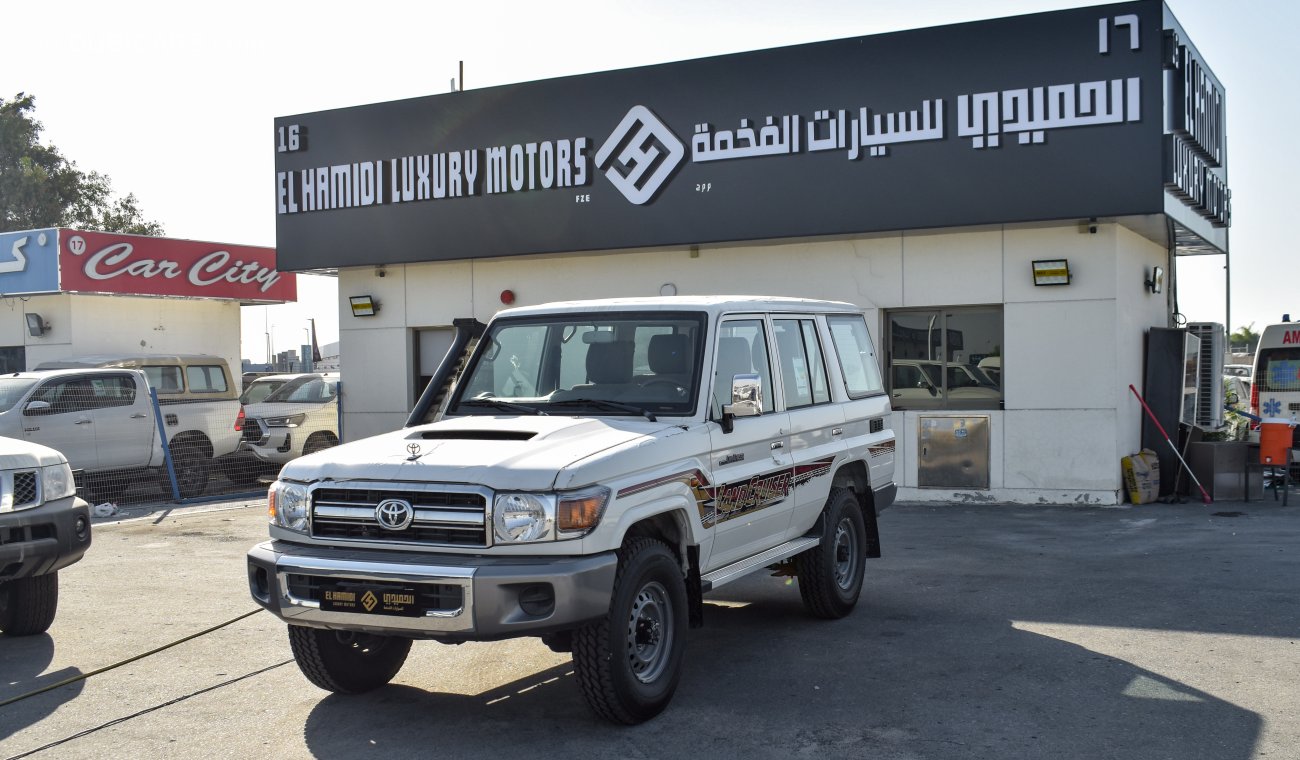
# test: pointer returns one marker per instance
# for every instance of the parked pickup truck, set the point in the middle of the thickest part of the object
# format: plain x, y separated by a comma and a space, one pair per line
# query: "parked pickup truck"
44, 528
103, 421
598, 468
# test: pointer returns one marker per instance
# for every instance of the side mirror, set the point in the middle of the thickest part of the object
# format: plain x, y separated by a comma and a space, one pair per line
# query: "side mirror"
746, 396
38, 407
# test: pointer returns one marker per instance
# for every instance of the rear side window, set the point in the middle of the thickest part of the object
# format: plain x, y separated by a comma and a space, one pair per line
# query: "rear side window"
206, 378
165, 379
856, 355
115, 390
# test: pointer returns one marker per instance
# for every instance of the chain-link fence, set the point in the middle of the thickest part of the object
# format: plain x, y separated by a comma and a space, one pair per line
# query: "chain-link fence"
125, 446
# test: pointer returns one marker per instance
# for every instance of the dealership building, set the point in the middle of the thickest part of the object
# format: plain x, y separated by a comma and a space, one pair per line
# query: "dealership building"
1006, 200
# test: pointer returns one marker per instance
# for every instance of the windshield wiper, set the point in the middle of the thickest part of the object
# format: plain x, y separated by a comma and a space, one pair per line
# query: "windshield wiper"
603, 404
497, 403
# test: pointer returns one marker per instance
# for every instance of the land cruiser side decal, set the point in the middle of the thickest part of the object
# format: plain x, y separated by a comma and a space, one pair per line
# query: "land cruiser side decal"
722, 502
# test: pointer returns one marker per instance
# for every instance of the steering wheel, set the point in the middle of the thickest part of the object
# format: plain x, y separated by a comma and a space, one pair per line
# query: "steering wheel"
676, 389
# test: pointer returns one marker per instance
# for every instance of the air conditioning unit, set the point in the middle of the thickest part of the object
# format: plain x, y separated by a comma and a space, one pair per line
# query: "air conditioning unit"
1209, 397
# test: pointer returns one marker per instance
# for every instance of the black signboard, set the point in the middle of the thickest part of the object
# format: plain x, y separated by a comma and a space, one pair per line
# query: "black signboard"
1047, 116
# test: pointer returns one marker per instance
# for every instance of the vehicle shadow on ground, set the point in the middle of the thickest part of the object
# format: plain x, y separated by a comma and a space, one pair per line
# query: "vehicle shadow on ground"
764, 680
23, 660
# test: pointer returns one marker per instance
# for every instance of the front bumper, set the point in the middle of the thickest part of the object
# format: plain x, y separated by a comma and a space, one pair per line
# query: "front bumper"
479, 598
43, 539
277, 445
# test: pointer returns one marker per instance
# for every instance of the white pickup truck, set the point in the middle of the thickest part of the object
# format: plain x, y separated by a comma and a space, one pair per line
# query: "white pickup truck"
598, 467
104, 422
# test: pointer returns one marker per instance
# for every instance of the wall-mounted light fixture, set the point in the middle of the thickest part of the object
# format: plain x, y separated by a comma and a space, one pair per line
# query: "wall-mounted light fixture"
36, 327
363, 306
1052, 272
1156, 281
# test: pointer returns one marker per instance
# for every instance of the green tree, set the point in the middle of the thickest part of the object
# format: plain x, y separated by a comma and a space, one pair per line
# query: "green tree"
1245, 336
41, 188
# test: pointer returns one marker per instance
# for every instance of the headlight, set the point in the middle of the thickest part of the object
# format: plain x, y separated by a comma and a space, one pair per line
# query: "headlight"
291, 421
56, 481
523, 517
287, 505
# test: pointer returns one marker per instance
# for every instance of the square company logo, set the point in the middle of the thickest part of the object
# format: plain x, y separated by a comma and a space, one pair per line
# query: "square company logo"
640, 155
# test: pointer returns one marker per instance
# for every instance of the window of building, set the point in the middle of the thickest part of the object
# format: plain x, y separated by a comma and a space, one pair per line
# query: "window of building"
946, 358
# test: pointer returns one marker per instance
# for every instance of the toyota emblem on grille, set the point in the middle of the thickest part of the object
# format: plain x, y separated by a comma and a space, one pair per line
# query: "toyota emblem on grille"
394, 514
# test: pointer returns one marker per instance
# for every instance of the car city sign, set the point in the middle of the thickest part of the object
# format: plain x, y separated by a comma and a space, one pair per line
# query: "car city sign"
99, 262
820, 139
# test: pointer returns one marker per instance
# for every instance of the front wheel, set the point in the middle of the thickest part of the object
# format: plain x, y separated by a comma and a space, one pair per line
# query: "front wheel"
30, 606
347, 662
629, 663
830, 574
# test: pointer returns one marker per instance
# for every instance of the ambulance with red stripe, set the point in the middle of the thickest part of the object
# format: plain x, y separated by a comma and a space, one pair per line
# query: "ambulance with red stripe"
1276, 388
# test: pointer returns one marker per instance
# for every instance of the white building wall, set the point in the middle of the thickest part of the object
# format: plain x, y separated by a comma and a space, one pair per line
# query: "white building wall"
1069, 352
82, 324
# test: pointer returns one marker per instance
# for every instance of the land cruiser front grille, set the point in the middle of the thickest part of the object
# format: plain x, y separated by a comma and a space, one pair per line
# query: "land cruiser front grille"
442, 517
25, 488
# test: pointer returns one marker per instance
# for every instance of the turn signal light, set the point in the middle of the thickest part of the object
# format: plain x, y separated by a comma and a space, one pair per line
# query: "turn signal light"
580, 512
239, 420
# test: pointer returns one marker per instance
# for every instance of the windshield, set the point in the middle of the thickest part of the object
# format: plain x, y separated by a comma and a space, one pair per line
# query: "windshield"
12, 390
303, 390
576, 364
259, 390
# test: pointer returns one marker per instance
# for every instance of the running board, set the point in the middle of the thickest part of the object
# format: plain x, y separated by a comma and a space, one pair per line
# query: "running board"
737, 570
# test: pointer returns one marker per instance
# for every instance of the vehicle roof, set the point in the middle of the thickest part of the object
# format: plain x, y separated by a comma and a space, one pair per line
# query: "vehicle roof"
101, 360
293, 376
37, 374
714, 305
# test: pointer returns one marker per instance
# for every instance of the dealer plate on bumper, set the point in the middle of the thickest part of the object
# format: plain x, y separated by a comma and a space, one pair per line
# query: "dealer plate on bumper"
369, 599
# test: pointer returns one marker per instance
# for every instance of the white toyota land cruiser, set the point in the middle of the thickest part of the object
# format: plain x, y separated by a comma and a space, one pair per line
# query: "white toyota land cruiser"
598, 467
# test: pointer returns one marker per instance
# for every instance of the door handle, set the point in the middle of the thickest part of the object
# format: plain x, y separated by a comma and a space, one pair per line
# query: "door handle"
137, 415
83, 422
837, 431
777, 445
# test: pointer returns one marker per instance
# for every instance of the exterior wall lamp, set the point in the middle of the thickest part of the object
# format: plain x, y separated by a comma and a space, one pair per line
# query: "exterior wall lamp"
363, 306
36, 327
1052, 272
1156, 282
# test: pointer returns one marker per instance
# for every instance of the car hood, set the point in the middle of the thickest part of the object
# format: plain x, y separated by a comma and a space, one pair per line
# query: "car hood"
500, 452
20, 455
280, 409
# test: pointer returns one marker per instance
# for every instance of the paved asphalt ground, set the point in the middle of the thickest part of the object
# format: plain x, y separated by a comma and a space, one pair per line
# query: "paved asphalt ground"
1165, 631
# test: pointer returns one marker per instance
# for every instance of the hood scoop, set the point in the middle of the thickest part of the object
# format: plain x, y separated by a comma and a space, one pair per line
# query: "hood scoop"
478, 435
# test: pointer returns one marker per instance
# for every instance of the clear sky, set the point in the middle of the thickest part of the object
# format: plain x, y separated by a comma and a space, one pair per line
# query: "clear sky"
175, 101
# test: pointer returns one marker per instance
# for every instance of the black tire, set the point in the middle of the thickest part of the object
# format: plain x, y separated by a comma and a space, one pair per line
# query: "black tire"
629, 663
347, 662
31, 604
830, 574
318, 443
193, 469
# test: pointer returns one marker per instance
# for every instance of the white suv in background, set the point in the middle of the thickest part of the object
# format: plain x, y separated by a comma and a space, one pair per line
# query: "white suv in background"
300, 417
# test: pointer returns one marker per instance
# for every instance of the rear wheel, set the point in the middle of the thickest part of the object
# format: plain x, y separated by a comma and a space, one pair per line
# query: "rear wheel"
30, 604
830, 574
347, 662
193, 467
629, 663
